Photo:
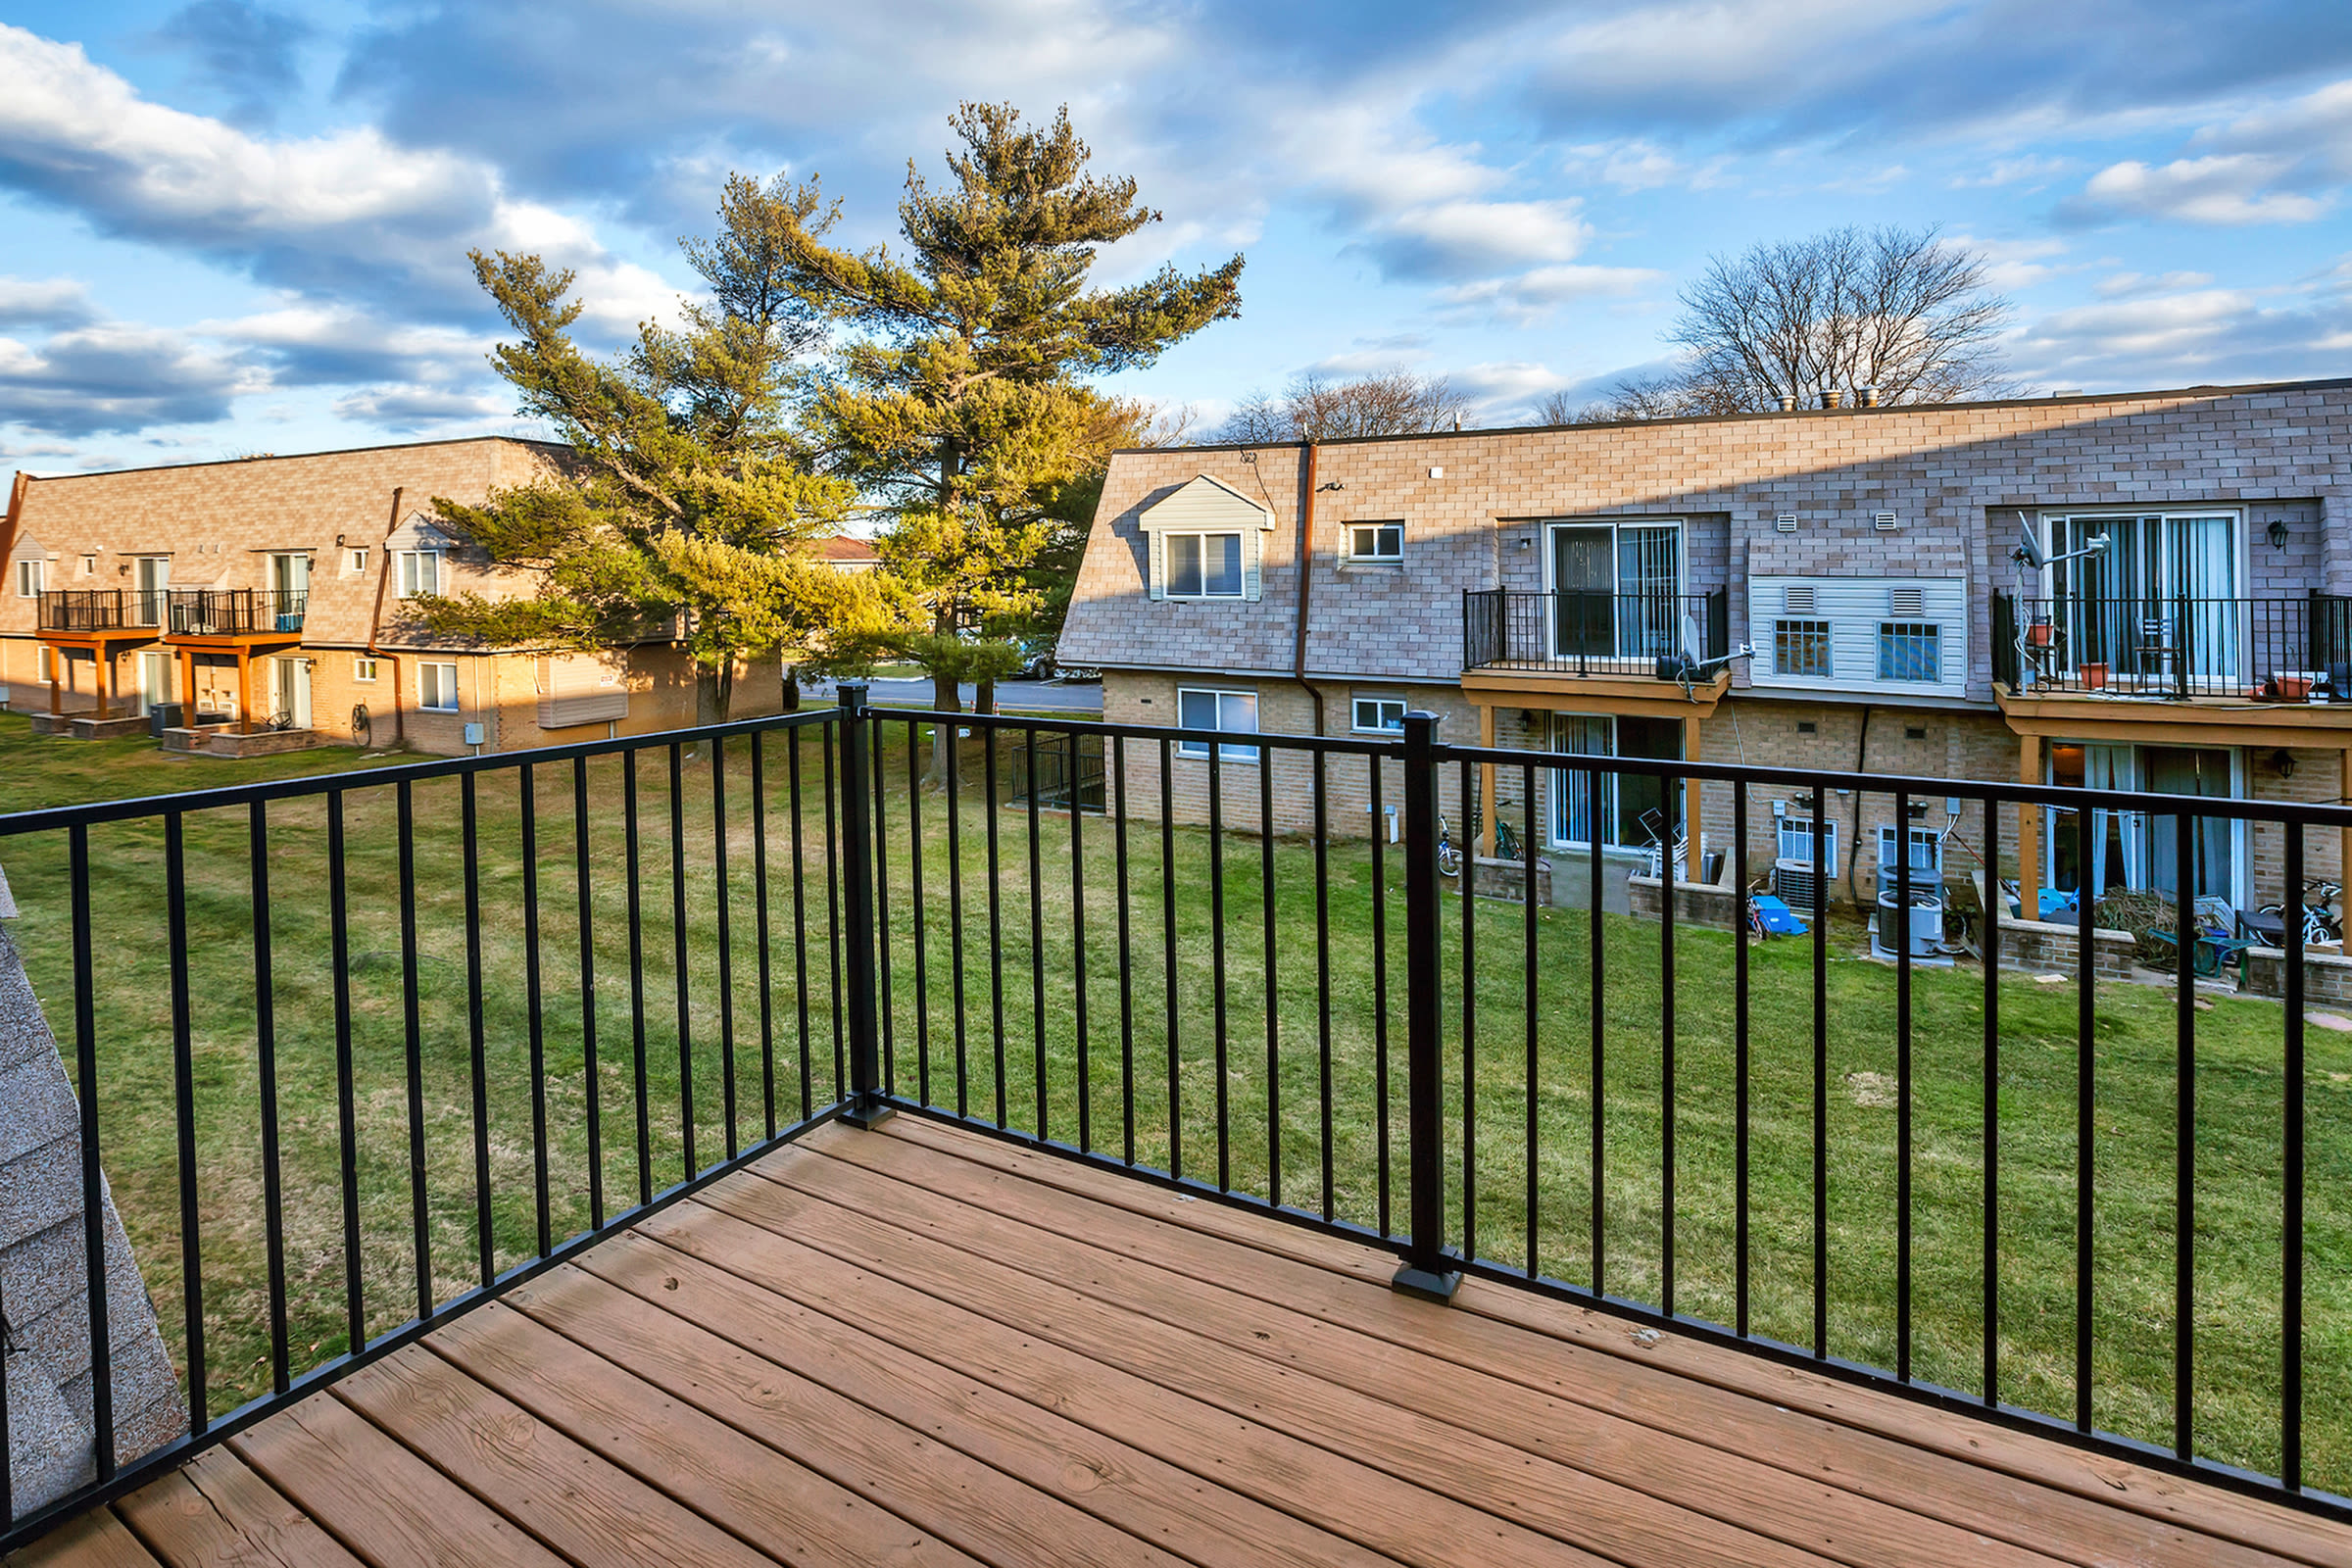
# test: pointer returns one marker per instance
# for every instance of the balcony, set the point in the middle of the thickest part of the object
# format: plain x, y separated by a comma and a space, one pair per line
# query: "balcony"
2266, 651
719, 1147
1592, 634
234, 614
87, 612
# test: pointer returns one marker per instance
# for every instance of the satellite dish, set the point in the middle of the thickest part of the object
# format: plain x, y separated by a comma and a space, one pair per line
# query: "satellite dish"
1692, 654
2027, 552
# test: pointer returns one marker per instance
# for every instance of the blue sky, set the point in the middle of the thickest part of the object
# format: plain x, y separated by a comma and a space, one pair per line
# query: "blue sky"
235, 227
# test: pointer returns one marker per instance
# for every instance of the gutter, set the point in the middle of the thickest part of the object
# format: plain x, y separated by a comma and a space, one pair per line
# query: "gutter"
375, 622
1307, 579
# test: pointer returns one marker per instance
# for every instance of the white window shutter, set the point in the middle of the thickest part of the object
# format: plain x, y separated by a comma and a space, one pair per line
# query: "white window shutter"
1157, 563
1253, 553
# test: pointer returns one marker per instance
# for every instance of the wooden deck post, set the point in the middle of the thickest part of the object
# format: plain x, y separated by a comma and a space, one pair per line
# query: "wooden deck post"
1693, 797
2028, 832
187, 686
1486, 784
101, 650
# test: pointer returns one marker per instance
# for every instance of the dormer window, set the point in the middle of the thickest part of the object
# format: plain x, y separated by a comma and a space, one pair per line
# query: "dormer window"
1204, 540
1204, 565
1376, 544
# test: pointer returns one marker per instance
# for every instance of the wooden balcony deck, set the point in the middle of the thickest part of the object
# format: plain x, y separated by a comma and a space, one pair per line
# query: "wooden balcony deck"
919, 1346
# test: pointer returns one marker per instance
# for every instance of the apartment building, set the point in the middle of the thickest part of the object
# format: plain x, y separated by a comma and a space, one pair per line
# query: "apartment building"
1543, 588
268, 598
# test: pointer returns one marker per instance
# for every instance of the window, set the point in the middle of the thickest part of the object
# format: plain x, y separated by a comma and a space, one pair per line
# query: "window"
44, 663
1910, 650
31, 575
1379, 715
437, 687
1204, 565
1800, 648
1634, 810
1376, 542
89, 565
1792, 840
419, 572
1927, 850
354, 562
1235, 711
363, 669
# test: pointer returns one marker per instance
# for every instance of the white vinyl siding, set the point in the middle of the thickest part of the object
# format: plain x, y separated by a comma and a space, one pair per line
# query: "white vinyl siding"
1201, 707
1214, 518
1861, 634
437, 687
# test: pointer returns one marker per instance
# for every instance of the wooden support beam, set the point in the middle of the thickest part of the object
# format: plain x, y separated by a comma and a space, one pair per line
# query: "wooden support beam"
102, 654
2029, 831
1486, 784
1693, 797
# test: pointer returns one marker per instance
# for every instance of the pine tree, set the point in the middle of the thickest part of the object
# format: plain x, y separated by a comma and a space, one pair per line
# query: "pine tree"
689, 505
958, 404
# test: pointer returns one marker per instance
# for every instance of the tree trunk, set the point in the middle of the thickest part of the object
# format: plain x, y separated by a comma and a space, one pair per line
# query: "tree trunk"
984, 695
792, 688
943, 736
713, 695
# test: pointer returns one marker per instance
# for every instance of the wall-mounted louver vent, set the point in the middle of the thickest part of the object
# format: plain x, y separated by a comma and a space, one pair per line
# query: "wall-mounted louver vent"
1785, 523
1799, 599
1906, 602
1884, 521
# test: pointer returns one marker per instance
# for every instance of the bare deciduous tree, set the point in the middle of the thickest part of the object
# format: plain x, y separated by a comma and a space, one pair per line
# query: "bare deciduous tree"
1666, 396
1314, 409
1899, 309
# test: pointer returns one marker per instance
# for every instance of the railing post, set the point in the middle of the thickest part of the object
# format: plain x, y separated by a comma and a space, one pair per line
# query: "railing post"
1430, 1271
866, 1106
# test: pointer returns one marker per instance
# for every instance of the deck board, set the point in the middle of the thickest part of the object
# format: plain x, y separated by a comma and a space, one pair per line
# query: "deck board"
927, 1347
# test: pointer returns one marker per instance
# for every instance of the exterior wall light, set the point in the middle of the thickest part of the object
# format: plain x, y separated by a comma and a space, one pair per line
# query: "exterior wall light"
2283, 762
2278, 533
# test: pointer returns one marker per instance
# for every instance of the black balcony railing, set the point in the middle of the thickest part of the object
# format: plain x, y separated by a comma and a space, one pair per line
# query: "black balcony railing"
2267, 650
486, 1036
86, 609
1590, 633
234, 611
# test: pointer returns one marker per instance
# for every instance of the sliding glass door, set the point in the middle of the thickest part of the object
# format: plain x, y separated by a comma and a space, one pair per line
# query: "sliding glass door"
1634, 810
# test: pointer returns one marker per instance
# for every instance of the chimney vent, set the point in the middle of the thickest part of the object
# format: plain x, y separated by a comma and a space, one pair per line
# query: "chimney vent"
1866, 397
1832, 398
1787, 404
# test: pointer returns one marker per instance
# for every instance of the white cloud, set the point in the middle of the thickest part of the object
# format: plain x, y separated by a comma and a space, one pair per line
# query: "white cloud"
2123, 283
1639, 165
114, 377
2031, 172
1533, 295
2228, 188
2202, 335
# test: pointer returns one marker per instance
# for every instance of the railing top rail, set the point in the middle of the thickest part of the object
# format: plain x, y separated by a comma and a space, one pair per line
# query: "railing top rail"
50, 818
1352, 745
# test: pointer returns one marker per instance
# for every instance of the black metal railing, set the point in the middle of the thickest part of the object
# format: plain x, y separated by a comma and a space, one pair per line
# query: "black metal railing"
234, 611
2266, 650
1959, 1185
1591, 633
72, 610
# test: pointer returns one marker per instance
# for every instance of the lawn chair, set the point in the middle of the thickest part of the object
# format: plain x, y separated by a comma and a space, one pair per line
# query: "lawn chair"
2218, 944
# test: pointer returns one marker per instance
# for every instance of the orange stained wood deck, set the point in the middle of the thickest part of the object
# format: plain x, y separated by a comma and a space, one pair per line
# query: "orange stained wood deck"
919, 1346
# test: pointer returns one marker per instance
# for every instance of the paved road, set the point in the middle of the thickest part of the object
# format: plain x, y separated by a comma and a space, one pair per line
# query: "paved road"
1017, 696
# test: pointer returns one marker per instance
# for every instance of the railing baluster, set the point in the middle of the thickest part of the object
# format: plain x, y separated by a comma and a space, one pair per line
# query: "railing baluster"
1594, 946
183, 1100
2185, 1128
800, 917
836, 739
419, 1211
2290, 1305
996, 916
1168, 929
1821, 1075
583, 875
1036, 934
484, 1225
922, 942
93, 1180
265, 1030
1740, 1061
2085, 1063
1086, 1119
1527, 893
1667, 869
1216, 938
1469, 878
681, 965
1117, 784
527, 785
1323, 977
767, 984
955, 754
645, 1110
1375, 778
879, 835
1993, 1104
722, 896
867, 1104
1901, 937
1265, 898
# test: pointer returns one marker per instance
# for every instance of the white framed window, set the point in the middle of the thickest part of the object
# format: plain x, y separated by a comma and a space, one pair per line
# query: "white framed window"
89, 565
419, 572
1206, 708
1379, 715
354, 562
1800, 648
363, 669
437, 687
1926, 848
31, 577
44, 663
1204, 565
1793, 839
1376, 544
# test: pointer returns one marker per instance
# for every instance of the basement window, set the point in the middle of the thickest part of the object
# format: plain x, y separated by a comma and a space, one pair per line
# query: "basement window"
1376, 544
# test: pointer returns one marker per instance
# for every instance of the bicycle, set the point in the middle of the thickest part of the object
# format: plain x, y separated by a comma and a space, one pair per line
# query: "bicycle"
1449, 857
2322, 925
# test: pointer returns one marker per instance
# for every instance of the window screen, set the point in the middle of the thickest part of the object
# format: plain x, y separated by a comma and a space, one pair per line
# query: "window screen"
1800, 648
1204, 565
1235, 711
1380, 712
1910, 650
437, 687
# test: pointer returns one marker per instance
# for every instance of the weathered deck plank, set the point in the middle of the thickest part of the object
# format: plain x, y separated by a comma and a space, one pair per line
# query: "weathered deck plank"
932, 1348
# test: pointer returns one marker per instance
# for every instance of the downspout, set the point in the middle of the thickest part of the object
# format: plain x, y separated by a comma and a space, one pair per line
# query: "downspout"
1306, 578
375, 622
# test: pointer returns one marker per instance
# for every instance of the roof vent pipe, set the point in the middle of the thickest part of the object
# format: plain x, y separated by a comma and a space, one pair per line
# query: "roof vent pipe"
1787, 403
1866, 397
1832, 398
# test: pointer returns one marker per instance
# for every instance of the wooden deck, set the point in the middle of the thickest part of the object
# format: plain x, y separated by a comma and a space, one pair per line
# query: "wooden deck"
918, 1346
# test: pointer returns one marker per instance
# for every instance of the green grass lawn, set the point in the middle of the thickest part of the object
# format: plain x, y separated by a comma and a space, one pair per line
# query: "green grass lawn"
1278, 1085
